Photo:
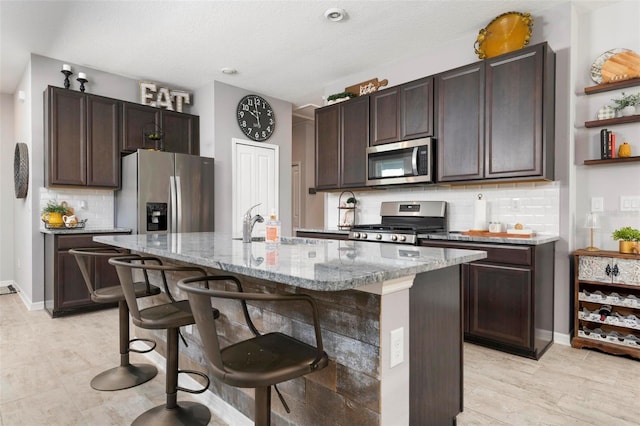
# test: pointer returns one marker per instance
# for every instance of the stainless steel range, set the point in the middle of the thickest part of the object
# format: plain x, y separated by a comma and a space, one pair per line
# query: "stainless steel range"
403, 221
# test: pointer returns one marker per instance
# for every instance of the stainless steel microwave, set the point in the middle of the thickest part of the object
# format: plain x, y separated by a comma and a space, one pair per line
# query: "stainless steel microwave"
400, 162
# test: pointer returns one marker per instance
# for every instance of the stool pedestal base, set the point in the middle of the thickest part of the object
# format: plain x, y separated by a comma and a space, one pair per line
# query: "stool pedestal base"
186, 413
123, 377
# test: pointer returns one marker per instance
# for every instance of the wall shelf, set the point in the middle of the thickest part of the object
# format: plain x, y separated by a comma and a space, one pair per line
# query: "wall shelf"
612, 121
611, 160
612, 86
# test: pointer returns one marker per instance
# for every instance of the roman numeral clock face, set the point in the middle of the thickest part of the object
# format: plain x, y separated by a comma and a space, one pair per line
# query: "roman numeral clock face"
256, 118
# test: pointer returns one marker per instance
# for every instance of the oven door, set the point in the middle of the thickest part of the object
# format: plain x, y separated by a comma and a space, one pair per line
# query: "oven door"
401, 162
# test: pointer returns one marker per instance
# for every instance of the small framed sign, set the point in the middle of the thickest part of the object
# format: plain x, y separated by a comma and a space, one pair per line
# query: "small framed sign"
163, 97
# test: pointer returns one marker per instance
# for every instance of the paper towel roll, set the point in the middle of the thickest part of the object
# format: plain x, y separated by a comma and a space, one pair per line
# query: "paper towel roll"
480, 215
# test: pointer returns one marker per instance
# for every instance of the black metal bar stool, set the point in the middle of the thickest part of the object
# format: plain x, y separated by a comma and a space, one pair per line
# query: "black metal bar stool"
126, 375
262, 361
170, 316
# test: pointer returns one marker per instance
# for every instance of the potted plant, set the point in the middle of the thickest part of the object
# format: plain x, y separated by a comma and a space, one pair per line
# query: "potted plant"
52, 213
351, 201
626, 105
339, 97
628, 237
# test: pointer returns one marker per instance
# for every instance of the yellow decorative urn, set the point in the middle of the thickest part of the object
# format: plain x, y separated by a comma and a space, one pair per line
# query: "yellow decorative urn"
624, 150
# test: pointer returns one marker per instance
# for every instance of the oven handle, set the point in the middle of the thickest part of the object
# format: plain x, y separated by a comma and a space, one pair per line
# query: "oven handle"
414, 161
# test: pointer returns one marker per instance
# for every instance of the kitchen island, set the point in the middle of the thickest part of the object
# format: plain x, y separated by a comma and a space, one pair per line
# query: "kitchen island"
365, 291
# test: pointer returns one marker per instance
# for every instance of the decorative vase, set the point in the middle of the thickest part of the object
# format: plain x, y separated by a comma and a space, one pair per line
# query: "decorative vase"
606, 112
628, 247
624, 150
53, 219
628, 111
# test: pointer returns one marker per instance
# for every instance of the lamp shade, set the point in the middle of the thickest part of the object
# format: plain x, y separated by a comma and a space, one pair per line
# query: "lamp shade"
592, 221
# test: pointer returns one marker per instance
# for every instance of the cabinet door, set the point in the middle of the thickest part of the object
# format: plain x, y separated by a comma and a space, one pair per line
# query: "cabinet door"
416, 109
71, 289
385, 116
67, 134
500, 304
594, 268
354, 142
513, 115
628, 271
327, 147
137, 118
103, 135
181, 132
461, 123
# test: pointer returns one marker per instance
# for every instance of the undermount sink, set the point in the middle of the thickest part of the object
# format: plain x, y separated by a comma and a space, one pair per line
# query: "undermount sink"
257, 239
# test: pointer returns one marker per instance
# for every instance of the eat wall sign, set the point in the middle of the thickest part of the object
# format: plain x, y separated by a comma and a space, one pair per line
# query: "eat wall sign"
163, 97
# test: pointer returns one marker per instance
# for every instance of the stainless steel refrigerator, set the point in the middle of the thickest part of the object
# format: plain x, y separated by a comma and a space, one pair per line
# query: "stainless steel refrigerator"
165, 192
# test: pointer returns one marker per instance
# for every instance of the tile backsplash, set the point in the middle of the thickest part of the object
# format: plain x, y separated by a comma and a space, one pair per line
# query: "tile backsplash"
535, 205
95, 205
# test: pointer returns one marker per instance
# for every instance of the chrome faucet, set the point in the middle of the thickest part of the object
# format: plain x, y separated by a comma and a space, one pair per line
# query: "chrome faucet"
248, 223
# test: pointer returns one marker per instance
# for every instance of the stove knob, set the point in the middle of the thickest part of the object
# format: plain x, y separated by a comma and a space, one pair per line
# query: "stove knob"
394, 237
403, 238
356, 235
378, 236
364, 235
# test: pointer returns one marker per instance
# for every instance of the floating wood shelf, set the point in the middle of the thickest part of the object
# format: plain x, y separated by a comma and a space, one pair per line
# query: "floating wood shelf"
612, 86
612, 121
611, 160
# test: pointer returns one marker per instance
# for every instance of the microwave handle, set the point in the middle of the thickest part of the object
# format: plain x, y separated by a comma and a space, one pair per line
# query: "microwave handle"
414, 161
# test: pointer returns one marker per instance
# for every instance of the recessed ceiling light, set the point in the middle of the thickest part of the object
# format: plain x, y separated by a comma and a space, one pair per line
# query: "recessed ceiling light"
229, 71
335, 14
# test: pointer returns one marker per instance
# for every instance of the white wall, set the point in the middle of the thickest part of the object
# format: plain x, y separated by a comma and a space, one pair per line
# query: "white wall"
7, 194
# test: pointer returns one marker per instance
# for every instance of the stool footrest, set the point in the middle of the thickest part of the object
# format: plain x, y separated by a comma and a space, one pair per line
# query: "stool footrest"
197, 373
142, 351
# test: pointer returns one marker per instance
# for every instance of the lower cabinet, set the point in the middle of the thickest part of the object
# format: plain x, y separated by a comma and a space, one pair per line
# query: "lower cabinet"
65, 291
508, 297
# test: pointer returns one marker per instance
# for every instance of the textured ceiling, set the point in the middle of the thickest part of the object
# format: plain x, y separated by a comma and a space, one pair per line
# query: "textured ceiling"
284, 49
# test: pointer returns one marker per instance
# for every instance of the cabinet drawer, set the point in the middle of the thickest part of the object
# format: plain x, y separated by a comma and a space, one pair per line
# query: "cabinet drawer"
512, 255
66, 242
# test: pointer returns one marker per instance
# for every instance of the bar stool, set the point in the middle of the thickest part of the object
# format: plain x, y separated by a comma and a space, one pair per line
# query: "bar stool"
126, 375
280, 358
170, 316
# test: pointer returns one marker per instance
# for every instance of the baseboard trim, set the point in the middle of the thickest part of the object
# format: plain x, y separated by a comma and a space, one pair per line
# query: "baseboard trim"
28, 303
562, 339
7, 283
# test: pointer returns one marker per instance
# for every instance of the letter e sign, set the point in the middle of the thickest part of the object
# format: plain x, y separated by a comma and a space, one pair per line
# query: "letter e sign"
163, 97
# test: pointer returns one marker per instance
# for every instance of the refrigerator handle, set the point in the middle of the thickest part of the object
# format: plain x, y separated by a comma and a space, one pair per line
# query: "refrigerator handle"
173, 202
178, 207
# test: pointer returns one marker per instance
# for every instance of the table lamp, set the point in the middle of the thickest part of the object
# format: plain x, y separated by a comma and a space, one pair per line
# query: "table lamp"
592, 222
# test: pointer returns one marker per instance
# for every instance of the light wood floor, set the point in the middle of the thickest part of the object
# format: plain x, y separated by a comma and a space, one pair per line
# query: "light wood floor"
46, 366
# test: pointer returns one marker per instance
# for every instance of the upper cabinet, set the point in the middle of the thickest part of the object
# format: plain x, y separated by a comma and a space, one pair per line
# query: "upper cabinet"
342, 137
506, 104
402, 112
180, 131
82, 134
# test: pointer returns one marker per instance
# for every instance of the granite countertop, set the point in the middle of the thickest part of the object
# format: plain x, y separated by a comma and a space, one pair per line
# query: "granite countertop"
323, 230
456, 236
73, 231
322, 265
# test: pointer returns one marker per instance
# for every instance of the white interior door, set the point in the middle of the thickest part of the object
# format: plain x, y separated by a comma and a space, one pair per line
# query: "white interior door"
255, 180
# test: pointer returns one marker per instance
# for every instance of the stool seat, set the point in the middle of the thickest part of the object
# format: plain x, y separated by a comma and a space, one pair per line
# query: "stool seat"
281, 358
113, 294
176, 314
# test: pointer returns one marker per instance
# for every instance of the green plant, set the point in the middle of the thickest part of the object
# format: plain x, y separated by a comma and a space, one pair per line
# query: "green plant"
352, 200
626, 100
340, 96
53, 207
626, 233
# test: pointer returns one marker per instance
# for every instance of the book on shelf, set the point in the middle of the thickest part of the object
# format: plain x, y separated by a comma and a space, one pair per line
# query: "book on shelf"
607, 144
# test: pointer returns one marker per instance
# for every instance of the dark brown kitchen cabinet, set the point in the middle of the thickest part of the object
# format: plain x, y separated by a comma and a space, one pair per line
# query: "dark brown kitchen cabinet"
507, 106
136, 120
508, 297
64, 287
180, 131
402, 112
82, 135
342, 136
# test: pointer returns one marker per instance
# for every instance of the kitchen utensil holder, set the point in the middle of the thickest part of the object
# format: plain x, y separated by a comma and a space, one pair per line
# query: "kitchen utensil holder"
344, 211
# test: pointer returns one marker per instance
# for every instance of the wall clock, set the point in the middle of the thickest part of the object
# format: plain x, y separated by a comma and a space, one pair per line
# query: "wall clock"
256, 118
